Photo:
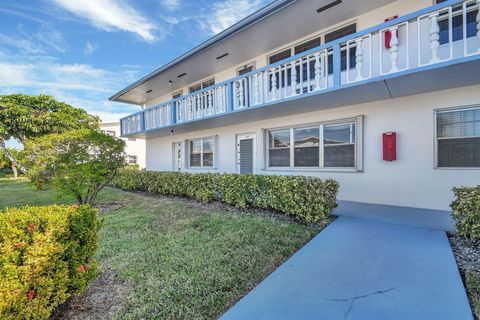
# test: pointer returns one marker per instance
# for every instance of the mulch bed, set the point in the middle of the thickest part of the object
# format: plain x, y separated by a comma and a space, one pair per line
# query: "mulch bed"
101, 300
467, 255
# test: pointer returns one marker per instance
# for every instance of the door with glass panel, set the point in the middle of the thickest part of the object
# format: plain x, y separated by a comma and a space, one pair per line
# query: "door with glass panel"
246, 153
178, 159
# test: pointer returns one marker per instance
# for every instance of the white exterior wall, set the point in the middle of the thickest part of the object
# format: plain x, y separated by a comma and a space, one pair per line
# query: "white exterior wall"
364, 21
132, 148
409, 181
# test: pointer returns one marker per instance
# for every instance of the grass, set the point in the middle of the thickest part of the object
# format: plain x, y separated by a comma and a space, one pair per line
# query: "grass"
180, 260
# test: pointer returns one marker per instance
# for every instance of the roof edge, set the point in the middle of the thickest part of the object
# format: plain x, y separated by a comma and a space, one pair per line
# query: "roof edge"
225, 34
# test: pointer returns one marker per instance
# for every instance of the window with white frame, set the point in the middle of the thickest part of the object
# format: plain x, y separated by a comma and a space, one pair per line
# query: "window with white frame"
458, 137
201, 152
110, 133
132, 159
324, 145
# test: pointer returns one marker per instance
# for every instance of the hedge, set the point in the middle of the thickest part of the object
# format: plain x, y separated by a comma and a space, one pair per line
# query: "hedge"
466, 211
46, 255
307, 198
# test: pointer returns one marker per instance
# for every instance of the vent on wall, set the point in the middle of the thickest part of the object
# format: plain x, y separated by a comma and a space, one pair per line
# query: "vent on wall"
181, 75
328, 6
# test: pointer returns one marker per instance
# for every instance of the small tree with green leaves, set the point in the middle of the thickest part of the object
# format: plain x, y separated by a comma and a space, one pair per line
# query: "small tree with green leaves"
5, 162
25, 117
78, 163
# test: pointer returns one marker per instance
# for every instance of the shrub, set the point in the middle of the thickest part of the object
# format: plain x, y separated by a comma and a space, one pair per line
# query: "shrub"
466, 212
309, 199
46, 254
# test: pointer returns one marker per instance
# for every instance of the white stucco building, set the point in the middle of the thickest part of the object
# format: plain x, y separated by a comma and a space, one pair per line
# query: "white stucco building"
314, 87
134, 147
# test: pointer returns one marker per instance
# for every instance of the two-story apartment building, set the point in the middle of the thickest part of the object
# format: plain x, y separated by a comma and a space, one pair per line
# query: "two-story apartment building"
134, 148
381, 95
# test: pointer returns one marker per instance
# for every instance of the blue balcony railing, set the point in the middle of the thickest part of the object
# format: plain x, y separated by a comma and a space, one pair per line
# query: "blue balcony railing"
426, 37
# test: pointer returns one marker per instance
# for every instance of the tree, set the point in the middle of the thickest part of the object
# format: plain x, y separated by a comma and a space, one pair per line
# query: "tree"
6, 163
79, 163
27, 117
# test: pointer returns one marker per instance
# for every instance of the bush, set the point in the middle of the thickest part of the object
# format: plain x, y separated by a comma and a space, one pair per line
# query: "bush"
309, 199
46, 255
466, 212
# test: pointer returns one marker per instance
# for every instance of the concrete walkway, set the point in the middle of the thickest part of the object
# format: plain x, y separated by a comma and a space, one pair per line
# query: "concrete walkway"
363, 269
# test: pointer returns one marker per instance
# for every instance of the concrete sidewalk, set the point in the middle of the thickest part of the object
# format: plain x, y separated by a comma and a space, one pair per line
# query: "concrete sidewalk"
363, 269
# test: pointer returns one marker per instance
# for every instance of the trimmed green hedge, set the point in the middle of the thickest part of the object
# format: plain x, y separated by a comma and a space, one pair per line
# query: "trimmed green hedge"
46, 254
466, 211
307, 198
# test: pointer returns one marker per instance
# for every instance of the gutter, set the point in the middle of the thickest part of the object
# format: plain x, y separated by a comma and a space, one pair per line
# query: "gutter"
225, 34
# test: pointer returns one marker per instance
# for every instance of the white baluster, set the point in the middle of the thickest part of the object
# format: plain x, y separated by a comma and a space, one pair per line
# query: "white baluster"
219, 106
318, 71
434, 37
256, 86
294, 79
274, 85
359, 59
394, 49
210, 102
242, 93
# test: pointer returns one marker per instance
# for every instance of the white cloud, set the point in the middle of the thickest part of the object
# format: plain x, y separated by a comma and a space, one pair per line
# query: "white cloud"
43, 40
227, 13
80, 85
171, 4
111, 15
89, 48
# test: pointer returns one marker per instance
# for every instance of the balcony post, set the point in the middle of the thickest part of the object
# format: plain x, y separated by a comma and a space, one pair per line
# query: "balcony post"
174, 112
230, 96
142, 121
337, 66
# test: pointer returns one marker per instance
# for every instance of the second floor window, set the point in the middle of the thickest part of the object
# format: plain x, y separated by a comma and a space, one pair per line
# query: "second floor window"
457, 23
202, 85
337, 34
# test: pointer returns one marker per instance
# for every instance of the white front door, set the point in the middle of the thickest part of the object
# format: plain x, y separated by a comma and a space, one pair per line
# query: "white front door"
246, 150
178, 157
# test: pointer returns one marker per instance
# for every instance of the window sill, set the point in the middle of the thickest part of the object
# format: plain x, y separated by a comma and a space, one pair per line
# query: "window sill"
201, 168
456, 168
289, 169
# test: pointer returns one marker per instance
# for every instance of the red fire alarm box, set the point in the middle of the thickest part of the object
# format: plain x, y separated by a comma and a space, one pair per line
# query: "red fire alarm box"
388, 34
390, 146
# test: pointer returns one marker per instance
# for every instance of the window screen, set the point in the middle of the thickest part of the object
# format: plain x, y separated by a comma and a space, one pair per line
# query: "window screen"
201, 152
279, 148
458, 138
307, 147
280, 56
339, 145
307, 45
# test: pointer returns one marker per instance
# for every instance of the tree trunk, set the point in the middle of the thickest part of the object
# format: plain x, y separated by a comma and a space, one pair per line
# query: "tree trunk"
11, 158
15, 171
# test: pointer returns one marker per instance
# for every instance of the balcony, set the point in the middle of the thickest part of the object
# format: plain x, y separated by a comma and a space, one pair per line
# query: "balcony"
432, 49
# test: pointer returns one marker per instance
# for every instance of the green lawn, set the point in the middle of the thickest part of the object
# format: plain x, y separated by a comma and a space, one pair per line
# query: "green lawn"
179, 259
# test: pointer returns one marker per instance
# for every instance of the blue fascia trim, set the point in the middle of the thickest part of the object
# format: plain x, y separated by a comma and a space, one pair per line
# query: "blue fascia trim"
313, 93
225, 34
275, 7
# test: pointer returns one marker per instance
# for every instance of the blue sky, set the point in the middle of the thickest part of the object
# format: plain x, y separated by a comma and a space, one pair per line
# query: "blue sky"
83, 51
